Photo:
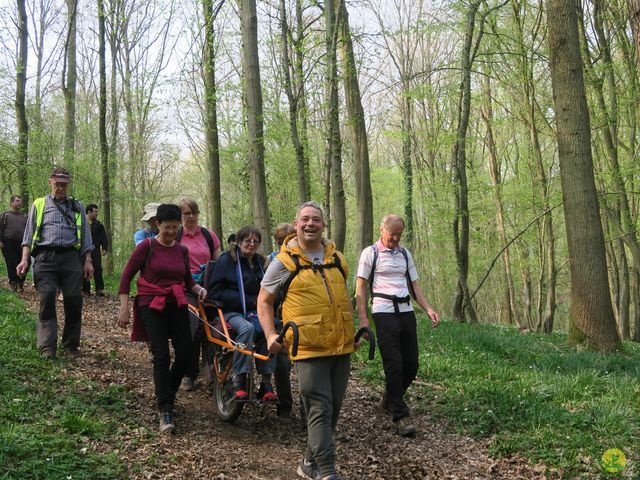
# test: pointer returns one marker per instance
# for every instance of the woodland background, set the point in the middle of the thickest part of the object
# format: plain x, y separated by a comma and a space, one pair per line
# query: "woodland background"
440, 111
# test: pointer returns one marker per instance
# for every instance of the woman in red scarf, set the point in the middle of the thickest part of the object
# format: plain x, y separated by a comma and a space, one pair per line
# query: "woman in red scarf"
160, 307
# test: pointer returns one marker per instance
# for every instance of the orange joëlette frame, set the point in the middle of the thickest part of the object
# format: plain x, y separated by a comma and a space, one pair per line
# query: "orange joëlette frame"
227, 343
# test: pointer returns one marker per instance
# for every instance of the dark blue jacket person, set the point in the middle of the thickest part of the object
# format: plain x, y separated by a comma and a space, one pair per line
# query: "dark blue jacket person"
235, 282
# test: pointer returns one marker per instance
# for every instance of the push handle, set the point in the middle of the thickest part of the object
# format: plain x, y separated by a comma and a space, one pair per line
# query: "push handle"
296, 337
372, 340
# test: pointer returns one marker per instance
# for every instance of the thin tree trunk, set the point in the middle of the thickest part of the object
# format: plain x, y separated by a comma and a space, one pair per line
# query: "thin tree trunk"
496, 182
407, 159
102, 131
591, 313
303, 180
69, 78
356, 122
21, 112
253, 93
462, 305
334, 141
303, 112
211, 118
623, 300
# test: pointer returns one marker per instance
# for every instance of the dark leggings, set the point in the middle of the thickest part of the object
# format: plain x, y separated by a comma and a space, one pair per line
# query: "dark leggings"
172, 323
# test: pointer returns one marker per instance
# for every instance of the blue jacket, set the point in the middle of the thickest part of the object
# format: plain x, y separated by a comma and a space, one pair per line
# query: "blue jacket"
224, 281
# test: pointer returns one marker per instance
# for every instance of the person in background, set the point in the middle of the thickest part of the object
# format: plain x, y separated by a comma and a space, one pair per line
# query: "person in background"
59, 238
100, 248
235, 282
160, 308
203, 246
394, 277
152, 224
317, 300
282, 374
12, 225
231, 239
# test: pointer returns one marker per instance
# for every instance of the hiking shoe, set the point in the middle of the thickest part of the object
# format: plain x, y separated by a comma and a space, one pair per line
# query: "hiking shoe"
241, 395
405, 428
13, 286
71, 352
100, 293
48, 353
166, 422
188, 385
266, 394
307, 469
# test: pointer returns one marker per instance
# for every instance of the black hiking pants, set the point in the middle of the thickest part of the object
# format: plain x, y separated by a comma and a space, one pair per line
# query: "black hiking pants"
398, 344
170, 324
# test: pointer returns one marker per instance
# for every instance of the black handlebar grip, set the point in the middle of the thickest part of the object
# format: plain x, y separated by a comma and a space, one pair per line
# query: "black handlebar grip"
372, 340
296, 336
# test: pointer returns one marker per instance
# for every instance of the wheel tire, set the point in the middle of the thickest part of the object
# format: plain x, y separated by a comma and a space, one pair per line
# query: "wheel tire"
224, 394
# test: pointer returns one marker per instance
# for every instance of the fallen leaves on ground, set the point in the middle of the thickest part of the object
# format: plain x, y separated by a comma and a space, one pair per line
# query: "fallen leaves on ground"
259, 445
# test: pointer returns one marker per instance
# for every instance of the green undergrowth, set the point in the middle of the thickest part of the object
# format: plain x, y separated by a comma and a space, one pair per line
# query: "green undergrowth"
530, 394
51, 425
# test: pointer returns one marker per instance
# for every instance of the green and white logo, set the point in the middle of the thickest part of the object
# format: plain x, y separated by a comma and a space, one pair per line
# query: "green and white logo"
613, 460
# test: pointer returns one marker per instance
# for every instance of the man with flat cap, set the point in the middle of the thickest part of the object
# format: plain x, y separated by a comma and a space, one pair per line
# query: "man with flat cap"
59, 238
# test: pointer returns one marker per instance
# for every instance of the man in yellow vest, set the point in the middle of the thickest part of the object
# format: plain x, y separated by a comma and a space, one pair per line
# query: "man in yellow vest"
59, 238
310, 275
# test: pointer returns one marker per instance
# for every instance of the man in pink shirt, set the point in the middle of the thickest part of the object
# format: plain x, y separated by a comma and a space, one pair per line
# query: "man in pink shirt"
203, 246
388, 271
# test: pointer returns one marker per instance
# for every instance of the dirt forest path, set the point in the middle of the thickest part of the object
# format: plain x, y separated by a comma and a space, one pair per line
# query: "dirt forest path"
258, 445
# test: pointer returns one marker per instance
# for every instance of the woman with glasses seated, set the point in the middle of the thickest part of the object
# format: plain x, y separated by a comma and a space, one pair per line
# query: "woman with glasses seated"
235, 281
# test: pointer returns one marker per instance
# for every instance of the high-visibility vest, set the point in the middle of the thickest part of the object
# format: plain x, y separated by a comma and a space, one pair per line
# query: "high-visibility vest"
39, 205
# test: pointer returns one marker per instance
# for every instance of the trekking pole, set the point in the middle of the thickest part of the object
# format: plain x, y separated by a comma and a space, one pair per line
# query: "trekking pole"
296, 336
372, 340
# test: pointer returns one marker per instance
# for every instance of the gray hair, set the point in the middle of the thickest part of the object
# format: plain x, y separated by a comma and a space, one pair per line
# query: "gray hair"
391, 218
312, 204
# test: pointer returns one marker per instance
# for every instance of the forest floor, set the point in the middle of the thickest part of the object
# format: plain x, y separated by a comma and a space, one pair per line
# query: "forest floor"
259, 445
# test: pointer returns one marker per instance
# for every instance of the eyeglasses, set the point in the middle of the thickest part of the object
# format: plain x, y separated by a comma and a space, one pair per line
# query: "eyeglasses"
190, 214
251, 240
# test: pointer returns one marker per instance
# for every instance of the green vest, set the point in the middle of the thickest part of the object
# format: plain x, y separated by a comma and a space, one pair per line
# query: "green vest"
39, 204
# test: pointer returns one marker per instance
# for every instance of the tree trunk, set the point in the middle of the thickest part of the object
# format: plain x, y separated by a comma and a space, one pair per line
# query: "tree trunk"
496, 182
591, 313
211, 118
114, 44
356, 122
102, 131
462, 305
303, 180
21, 112
634, 20
407, 159
69, 76
334, 141
636, 305
301, 94
253, 93
623, 300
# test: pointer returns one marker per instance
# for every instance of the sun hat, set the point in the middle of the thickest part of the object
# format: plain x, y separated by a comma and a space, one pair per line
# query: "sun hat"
150, 211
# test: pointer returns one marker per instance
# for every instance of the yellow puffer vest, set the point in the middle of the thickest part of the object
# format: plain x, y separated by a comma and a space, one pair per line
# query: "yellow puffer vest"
317, 302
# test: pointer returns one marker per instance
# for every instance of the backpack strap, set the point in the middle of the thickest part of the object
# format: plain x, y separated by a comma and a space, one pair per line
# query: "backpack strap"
185, 253
393, 298
207, 236
205, 233
316, 267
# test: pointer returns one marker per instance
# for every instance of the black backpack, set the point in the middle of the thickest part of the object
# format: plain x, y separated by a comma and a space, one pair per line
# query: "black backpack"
205, 233
394, 298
